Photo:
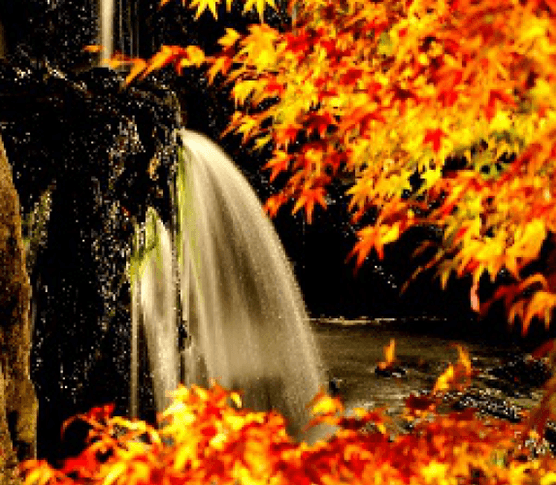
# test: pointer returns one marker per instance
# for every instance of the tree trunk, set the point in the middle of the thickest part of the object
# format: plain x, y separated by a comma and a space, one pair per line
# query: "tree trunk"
17, 396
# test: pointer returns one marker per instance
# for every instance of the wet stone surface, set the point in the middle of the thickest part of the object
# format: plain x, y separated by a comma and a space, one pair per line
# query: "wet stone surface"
82, 152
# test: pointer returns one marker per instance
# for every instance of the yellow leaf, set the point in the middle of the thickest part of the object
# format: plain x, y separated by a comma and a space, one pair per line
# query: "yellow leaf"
184, 454
202, 6
220, 65
139, 66
435, 472
444, 277
243, 89
541, 306
246, 127
236, 398
389, 355
259, 5
326, 405
261, 142
430, 177
40, 475
229, 39
528, 240
195, 55
115, 473
389, 234
444, 382
548, 479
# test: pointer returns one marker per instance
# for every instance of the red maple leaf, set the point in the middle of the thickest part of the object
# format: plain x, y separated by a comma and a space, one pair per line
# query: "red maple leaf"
434, 137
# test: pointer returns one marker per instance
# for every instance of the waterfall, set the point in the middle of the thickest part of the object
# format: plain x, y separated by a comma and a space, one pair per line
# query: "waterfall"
119, 23
106, 19
239, 300
153, 303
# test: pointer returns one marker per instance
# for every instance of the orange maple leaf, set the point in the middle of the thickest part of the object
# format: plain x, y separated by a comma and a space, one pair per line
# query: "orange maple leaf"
389, 355
308, 198
278, 163
273, 204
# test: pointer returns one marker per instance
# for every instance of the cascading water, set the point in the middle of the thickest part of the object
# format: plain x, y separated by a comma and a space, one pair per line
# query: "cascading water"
239, 300
119, 24
106, 18
153, 303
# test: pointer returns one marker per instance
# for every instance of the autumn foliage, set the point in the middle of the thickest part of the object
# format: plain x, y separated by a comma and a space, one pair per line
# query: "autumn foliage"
205, 437
431, 112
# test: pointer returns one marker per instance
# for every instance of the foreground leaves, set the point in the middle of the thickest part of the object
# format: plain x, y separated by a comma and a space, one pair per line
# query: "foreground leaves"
206, 437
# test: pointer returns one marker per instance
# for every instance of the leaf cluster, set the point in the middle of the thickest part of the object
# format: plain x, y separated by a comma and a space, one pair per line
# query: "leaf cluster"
434, 112
206, 437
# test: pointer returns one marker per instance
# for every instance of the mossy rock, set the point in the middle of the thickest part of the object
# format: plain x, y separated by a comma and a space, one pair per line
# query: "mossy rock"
17, 397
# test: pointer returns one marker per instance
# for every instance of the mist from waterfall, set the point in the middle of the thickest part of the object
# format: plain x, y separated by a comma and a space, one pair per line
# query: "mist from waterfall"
246, 321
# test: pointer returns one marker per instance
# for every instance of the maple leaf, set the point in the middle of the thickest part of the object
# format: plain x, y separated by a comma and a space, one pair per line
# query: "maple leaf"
229, 39
138, 67
389, 355
308, 198
220, 65
283, 136
541, 305
373, 237
259, 5
202, 5
279, 162
259, 49
93, 48
320, 122
247, 126
495, 96
191, 56
273, 204
167, 54
430, 177
435, 138
243, 89
324, 404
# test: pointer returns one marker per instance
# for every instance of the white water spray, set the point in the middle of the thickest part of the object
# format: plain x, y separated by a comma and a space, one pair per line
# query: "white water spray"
239, 299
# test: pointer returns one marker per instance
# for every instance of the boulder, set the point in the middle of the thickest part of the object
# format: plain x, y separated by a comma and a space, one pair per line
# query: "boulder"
18, 406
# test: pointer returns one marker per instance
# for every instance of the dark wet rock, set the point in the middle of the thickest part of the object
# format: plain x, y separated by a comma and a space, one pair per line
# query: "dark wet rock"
484, 402
390, 371
520, 375
334, 386
88, 158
